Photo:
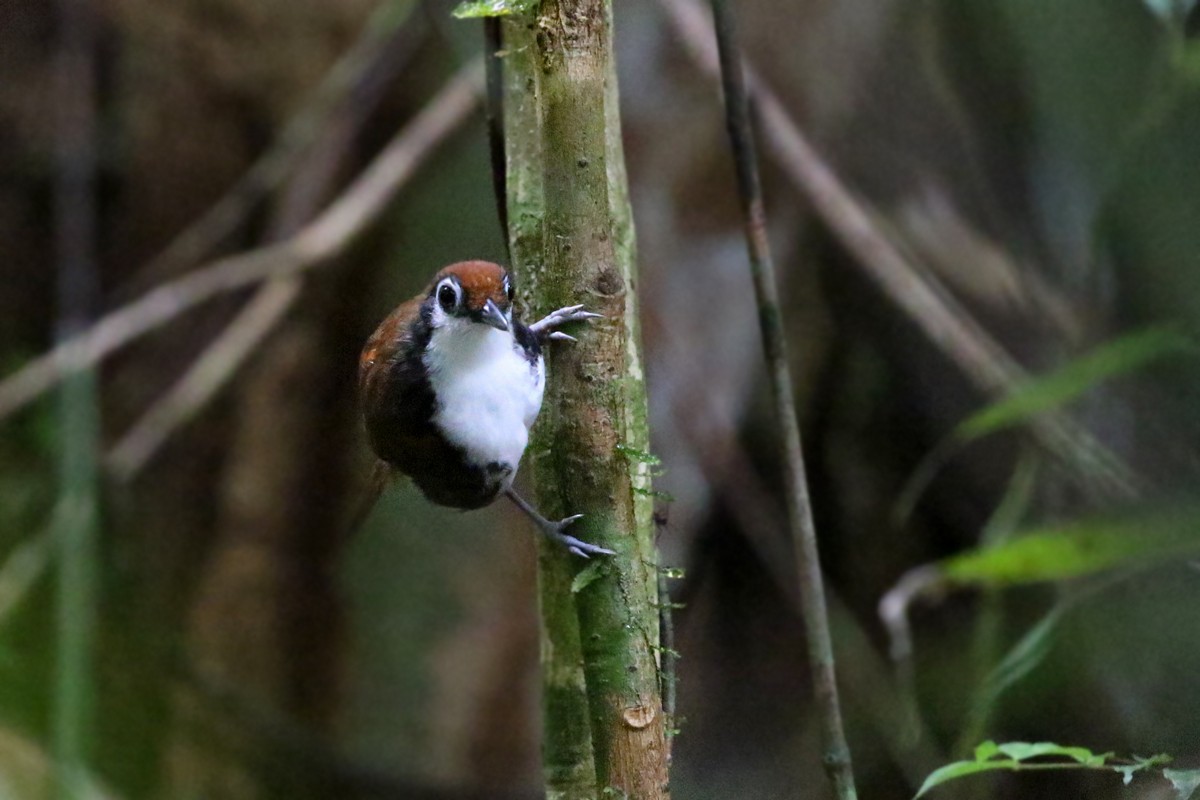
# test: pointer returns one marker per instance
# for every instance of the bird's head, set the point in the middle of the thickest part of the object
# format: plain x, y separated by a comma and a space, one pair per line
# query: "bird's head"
472, 292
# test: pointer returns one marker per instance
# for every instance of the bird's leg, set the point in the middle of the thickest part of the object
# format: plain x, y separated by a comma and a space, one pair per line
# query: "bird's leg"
554, 530
545, 329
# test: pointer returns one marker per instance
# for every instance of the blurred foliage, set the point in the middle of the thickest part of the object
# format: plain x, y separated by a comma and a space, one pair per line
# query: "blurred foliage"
1062, 137
1173, 12
27, 771
475, 9
1045, 394
25, 494
1079, 548
1074, 378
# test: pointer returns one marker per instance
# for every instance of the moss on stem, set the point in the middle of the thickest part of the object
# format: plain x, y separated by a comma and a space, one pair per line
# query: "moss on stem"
572, 241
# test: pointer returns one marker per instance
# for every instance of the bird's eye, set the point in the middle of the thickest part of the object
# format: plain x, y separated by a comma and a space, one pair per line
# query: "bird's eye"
448, 294
509, 291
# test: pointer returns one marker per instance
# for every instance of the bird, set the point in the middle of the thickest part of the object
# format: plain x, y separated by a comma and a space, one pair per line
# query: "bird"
450, 384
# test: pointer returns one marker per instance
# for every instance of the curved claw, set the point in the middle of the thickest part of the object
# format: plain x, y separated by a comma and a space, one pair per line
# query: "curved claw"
577, 546
582, 548
546, 326
559, 336
554, 530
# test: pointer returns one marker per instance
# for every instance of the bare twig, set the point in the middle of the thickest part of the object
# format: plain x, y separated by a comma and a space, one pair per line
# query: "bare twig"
949, 326
669, 678
22, 570
311, 247
376, 50
204, 379
755, 512
307, 190
800, 521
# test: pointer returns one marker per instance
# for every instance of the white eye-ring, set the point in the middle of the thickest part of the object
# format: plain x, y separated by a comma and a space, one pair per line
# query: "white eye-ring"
449, 294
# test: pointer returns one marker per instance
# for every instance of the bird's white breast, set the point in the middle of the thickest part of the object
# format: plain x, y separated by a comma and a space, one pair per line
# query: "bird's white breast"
488, 392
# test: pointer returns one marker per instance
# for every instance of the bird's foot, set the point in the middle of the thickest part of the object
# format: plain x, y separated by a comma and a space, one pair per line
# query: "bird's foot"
556, 531
546, 328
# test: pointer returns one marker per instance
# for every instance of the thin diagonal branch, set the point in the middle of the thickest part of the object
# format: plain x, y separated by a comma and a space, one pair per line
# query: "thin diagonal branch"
204, 379
308, 188
379, 52
800, 519
914, 290
326, 236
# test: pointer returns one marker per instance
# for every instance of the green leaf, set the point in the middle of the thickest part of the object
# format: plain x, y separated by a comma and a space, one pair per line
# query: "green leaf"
1079, 548
1015, 756
474, 9
587, 576
1183, 781
666, 497
1065, 384
960, 769
1023, 751
985, 750
634, 454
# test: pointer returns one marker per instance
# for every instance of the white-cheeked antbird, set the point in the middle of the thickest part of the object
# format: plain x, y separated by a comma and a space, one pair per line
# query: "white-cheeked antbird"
450, 384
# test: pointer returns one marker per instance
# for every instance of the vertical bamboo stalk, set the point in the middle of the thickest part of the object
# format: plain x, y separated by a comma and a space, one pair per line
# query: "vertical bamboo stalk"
572, 242
804, 536
568, 766
76, 517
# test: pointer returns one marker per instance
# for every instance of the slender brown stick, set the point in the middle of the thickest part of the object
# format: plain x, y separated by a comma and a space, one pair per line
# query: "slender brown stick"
307, 190
204, 378
326, 236
914, 290
380, 51
800, 521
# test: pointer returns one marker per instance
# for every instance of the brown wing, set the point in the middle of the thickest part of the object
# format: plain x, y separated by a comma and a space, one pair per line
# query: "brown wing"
397, 400
392, 340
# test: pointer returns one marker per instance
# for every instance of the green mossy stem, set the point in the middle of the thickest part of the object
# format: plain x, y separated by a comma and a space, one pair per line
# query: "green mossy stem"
572, 241
568, 766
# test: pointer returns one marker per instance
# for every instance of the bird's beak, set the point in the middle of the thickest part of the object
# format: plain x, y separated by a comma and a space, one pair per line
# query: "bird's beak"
491, 314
